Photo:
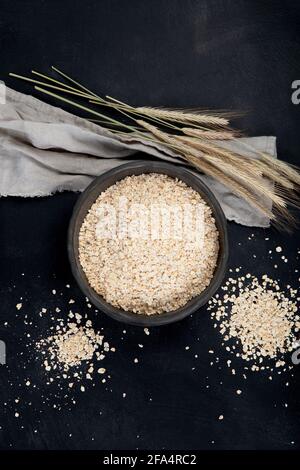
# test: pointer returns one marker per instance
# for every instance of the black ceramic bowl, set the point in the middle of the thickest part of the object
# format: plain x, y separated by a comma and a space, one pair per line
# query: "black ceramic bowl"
89, 196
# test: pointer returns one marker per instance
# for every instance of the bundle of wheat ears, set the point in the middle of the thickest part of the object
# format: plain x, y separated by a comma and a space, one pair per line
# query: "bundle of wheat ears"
194, 136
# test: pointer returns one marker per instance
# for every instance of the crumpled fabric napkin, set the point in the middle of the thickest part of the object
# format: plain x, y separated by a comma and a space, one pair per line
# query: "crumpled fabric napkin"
44, 149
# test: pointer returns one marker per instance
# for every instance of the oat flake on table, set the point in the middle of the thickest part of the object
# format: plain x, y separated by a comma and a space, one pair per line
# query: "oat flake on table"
258, 320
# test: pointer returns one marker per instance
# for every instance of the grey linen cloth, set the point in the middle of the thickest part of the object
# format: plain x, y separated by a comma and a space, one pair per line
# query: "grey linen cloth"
44, 150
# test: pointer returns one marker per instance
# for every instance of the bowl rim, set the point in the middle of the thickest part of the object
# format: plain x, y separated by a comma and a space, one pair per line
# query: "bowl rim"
88, 197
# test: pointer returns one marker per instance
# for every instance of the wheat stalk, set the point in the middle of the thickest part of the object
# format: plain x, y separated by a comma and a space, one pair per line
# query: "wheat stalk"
239, 183
229, 182
193, 135
211, 149
267, 167
183, 117
282, 168
209, 135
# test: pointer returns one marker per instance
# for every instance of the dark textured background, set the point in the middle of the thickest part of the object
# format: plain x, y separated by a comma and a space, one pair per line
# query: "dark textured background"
239, 55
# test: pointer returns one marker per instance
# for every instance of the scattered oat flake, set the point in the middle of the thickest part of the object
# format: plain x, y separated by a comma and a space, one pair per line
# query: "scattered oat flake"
71, 350
259, 321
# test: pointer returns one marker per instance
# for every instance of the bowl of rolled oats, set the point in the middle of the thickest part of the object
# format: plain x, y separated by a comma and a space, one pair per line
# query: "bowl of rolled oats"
148, 243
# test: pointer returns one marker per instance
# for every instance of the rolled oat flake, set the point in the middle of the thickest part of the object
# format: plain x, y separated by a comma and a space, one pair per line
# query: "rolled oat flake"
149, 274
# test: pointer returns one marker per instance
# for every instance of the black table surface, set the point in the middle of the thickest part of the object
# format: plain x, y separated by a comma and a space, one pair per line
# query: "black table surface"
236, 55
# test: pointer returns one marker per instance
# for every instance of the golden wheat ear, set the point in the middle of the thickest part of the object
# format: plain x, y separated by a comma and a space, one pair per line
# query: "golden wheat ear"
209, 135
183, 117
284, 168
193, 135
209, 166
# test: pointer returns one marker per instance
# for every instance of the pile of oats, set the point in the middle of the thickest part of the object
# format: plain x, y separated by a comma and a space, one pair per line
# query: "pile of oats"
73, 351
148, 275
258, 321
